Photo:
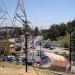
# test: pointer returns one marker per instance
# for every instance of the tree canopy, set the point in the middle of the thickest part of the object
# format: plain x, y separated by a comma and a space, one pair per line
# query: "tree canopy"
59, 30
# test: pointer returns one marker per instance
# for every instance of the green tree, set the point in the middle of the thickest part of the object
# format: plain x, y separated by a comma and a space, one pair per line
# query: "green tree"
36, 31
16, 32
45, 33
63, 29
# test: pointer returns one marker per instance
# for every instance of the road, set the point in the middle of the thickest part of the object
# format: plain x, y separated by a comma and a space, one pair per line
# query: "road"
73, 69
58, 50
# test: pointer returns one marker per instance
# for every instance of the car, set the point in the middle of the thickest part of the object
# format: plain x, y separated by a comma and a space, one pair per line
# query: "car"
43, 60
32, 47
29, 62
10, 58
51, 47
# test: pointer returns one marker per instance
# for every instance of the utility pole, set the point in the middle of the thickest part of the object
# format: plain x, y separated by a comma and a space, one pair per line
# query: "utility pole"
70, 28
40, 42
70, 50
40, 49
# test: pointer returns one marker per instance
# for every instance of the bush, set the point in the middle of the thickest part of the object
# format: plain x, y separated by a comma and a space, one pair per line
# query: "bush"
65, 41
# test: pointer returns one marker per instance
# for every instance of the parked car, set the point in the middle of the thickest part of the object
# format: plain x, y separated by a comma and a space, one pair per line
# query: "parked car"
29, 62
42, 61
33, 47
51, 47
9, 57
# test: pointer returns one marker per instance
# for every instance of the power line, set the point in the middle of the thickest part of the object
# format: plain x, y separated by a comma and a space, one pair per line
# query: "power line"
6, 9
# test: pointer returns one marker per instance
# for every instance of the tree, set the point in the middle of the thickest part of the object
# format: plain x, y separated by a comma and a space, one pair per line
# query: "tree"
36, 31
73, 25
1, 50
16, 32
63, 29
69, 27
45, 33
54, 32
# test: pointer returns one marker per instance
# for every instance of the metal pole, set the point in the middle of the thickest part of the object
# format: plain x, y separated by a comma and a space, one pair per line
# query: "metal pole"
26, 51
40, 49
32, 46
70, 51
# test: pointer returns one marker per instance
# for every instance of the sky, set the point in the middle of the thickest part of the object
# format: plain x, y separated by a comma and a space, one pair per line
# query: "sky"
43, 13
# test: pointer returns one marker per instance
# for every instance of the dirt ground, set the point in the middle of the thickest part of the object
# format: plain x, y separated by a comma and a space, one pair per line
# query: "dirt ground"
12, 69
8, 71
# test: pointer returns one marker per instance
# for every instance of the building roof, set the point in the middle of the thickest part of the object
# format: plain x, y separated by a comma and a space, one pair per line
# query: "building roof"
59, 63
55, 56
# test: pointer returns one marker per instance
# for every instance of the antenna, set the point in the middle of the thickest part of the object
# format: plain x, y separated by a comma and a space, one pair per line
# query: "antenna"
20, 14
2, 16
4, 19
4, 22
21, 18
